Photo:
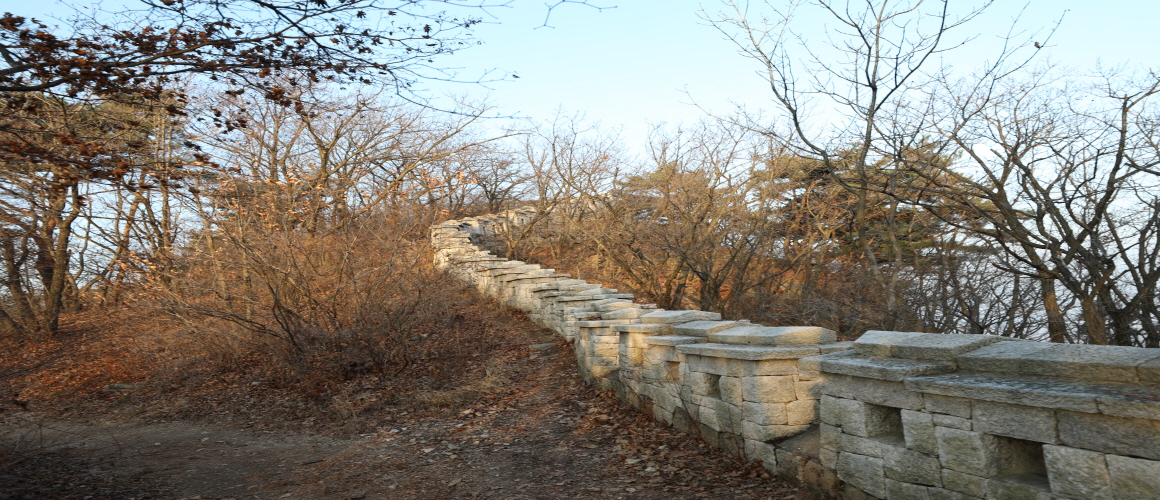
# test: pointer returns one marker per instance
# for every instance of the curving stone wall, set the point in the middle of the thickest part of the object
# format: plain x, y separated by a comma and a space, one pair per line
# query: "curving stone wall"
893, 415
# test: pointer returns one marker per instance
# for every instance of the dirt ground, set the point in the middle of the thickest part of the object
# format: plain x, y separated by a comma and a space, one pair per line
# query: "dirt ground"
540, 433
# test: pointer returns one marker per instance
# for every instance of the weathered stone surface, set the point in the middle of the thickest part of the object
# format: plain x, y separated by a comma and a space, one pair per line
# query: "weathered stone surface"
1119, 435
828, 458
1149, 372
865, 473
776, 336
962, 482
1075, 361
810, 364
1134, 478
703, 328
802, 411
672, 340
830, 410
1133, 402
918, 430
808, 389
751, 430
830, 436
1022, 422
952, 421
749, 352
881, 343
771, 389
879, 392
974, 453
1019, 487
765, 413
870, 447
897, 490
603, 323
895, 370
911, 466
767, 367
1027, 391
921, 346
835, 347
649, 329
703, 384
730, 390
675, 317
945, 494
757, 450
709, 364
1076, 473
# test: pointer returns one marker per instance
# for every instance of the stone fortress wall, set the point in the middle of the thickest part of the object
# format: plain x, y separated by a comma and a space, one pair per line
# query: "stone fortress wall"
893, 415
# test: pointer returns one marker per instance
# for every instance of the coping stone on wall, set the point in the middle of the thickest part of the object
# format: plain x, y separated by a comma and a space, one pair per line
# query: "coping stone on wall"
892, 369
1073, 361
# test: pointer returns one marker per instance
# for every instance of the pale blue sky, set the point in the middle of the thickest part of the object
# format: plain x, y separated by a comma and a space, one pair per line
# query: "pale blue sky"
631, 65
646, 62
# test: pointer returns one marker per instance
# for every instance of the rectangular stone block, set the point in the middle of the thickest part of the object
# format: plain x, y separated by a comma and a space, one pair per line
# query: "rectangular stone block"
802, 411
881, 343
892, 369
918, 431
897, 490
1132, 402
1134, 478
1117, 435
716, 366
945, 494
652, 329
768, 367
1075, 473
967, 484
703, 328
765, 413
828, 458
911, 466
1012, 389
1021, 422
676, 317
672, 340
830, 410
1085, 362
749, 352
810, 364
829, 436
879, 392
707, 415
632, 313
952, 422
1020, 487
797, 335
772, 389
870, 447
974, 453
758, 450
730, 390
808, 389
1150, 372
751, 430
863, 472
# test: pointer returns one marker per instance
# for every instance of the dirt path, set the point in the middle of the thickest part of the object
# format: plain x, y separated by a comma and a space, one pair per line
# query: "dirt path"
545, 435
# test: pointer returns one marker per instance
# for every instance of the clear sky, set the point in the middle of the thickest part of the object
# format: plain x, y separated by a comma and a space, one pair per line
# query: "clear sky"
647, 61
